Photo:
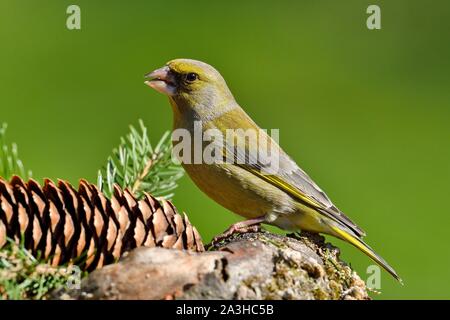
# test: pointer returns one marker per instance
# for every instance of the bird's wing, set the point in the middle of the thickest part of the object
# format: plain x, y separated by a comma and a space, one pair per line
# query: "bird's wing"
291, 179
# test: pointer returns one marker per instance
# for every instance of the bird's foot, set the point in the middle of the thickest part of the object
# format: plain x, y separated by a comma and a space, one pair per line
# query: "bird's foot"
236, 229
248, 226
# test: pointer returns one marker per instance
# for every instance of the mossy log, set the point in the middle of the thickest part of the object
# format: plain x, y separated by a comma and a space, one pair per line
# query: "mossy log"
257, 265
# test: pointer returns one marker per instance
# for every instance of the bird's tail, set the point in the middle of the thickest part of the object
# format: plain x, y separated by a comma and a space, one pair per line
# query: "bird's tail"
361, 245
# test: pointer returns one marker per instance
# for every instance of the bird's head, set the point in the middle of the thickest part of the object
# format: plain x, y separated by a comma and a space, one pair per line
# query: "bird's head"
190, 84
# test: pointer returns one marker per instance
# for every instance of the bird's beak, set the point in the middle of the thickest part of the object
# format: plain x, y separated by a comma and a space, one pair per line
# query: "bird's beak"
162, 80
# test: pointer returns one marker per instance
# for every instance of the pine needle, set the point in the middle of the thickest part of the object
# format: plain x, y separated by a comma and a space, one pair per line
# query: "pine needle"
10, 164
140, 167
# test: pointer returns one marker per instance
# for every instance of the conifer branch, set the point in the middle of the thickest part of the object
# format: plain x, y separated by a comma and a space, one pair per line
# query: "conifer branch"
10, 164
138, 166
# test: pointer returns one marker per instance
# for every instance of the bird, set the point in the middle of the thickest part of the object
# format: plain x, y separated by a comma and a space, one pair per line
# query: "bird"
285, 197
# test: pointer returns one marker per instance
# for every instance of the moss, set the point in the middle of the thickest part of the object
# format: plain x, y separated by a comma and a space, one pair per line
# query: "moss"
294, 278
289, 281
343, 282
273, 241
23, 276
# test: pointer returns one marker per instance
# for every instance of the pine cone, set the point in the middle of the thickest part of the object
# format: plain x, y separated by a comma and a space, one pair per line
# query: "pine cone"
63, 225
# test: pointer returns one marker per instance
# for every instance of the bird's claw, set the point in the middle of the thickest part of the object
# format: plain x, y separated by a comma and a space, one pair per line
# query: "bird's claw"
231, 231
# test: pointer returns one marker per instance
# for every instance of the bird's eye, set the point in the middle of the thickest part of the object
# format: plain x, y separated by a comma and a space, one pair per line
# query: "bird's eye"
191, 76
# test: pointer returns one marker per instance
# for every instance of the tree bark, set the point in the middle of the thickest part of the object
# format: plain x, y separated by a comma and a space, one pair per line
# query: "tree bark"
257, 265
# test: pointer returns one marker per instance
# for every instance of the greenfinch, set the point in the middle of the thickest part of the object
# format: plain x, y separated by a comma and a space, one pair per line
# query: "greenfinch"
285, 197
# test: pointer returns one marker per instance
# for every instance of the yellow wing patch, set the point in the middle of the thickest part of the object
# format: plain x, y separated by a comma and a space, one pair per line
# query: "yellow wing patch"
283, 185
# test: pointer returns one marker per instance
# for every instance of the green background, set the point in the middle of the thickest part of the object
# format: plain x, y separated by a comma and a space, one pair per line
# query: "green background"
365, 113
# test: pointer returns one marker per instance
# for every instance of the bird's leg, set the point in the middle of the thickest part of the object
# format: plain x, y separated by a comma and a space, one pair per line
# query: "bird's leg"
250, 225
